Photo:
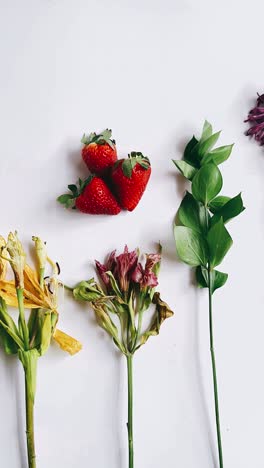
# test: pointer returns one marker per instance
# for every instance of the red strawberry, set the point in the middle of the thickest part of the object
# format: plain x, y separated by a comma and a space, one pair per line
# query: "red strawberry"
92, 196
130, 177
99, 152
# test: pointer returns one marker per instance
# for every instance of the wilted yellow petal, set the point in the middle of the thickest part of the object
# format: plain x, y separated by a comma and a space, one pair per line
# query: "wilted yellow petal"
34, 296
66, 342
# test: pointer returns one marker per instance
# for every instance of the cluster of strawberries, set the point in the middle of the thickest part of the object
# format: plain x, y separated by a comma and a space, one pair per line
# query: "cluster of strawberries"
114, 183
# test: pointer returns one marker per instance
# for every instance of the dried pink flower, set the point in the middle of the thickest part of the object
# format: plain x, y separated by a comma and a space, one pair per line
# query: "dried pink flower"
121, 268
145, 276
125, 265
109, 266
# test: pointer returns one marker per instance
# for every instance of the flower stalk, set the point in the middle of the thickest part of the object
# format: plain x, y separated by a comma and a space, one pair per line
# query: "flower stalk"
29, 338
212, 352
130, 410
29, 361
119, 301
202, 240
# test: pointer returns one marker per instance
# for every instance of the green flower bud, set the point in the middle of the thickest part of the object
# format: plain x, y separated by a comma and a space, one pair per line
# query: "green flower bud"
41, 251
17, 258
88, 291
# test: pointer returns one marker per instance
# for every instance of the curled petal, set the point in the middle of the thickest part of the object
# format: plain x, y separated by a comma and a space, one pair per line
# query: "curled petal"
125, 265
111, 261
101, 269
109, 266
137, 275
150, 279
34, 296
152, 260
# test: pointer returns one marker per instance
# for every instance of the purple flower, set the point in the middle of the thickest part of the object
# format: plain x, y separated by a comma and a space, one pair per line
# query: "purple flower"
125, 266
256, 119
145, 276
109, 266
121, 268
152, 260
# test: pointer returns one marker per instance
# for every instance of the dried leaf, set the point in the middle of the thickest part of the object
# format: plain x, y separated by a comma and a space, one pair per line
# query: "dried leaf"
162, 313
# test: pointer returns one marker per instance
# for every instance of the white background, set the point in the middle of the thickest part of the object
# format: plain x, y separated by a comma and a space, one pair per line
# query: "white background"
151, 71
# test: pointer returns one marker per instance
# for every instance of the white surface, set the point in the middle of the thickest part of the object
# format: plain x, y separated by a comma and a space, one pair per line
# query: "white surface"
152, 71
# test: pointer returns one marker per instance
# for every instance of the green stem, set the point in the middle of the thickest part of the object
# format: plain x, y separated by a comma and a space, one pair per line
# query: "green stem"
36, 311
29, 360
22, 320
130, 409
217, 417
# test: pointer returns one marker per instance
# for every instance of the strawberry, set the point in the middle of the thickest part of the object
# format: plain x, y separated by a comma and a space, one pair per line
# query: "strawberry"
92, 196
99, 152
130, 177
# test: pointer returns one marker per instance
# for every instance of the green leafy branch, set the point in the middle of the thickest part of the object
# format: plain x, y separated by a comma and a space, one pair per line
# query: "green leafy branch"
202, 239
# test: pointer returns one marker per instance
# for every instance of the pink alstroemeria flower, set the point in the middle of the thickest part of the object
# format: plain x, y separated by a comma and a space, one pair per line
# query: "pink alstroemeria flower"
145, 276
121, 267
109, 266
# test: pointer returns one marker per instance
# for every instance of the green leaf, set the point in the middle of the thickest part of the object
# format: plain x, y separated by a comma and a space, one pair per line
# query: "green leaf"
46, 333
206, 145
186, 169
190, 154
192, 214
127, 168
162, 313
73, 189
217, 203
229, 210
191, 246
218, 278
16, 338
9, 345
207, 183
84, 183
65, 198
106, 134
206, 132
218, 155
8, 331
219, 242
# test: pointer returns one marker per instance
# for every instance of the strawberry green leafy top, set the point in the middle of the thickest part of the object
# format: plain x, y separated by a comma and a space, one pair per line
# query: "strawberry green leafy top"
100, 138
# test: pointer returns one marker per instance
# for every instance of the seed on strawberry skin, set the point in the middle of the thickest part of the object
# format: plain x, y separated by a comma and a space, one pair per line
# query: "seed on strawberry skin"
129, 178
